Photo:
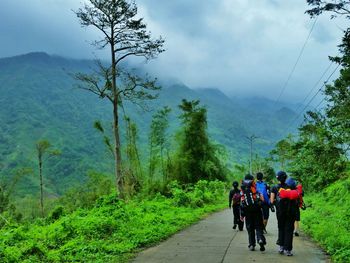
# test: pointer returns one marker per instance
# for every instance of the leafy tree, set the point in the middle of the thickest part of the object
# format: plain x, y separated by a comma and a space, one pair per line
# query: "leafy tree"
319, 159
158, 140
126, 36
264, 165
43, 152
338, 7
197, 157
337, 95
282, 153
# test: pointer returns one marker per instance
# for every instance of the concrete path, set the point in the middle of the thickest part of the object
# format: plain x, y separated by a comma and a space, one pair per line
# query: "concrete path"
213, 240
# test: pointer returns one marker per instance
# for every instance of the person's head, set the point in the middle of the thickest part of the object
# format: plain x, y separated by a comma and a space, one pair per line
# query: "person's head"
291, 183
281, 176
248, 177
259, 176
235, 184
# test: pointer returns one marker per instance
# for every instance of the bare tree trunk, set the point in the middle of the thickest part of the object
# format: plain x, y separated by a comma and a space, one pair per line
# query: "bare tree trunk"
118, 159
41, 187
137, 155
150, 171
162, 163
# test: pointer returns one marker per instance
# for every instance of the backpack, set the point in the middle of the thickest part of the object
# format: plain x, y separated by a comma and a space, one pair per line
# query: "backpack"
261, 187
236, 198
301, 193
287, 201
250, 199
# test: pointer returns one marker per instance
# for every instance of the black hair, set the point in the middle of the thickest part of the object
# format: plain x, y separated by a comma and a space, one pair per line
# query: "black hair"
248, 177
259, 176
235, 184
281, 176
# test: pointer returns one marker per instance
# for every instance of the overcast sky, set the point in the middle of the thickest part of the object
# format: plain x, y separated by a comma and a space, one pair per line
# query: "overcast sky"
242, 47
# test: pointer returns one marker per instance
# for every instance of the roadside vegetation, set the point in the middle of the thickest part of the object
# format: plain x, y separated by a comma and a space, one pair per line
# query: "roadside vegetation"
112, 229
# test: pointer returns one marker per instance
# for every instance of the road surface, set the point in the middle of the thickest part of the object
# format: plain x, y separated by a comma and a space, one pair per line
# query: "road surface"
213, 240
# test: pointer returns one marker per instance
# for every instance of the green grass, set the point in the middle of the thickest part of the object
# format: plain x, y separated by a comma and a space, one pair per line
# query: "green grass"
328, 220
113, 230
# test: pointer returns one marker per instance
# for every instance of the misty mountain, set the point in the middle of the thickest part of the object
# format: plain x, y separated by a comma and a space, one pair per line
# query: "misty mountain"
39, 101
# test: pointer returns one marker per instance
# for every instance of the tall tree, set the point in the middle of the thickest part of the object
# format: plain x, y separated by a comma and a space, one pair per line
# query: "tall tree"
197, 157
126, 36
158, 140
43, 151
282, 153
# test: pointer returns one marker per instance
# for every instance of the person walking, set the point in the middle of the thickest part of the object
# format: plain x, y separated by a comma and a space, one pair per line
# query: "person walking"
262, 188
234, 203
301, 205
251, 211
286, 204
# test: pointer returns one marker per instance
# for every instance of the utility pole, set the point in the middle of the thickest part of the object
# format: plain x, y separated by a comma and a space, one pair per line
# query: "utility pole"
251, 139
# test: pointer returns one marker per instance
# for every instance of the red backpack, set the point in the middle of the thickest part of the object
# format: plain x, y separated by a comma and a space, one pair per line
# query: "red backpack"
236, 198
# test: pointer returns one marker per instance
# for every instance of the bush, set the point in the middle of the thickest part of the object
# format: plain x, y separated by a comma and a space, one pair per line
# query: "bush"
327, 221
112, 229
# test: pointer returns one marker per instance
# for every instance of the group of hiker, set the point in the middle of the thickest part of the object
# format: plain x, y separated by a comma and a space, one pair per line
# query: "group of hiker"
252, 201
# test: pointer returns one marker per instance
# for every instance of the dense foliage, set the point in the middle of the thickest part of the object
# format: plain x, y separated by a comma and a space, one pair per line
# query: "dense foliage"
327, 220
197, 157
112, 229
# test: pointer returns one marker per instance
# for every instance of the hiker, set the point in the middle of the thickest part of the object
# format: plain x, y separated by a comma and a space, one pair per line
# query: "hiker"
285, 200
251, 211
301, 205
262, 188
234, 203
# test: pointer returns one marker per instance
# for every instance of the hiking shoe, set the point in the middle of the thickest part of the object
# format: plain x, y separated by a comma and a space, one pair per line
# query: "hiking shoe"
234, 226
296, 234
281, 250
288, 253
261, 244
251, 247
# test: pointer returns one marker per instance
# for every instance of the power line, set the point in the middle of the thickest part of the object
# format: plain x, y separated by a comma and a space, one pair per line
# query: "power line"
315, 86
313, 97
296, 63
319, 104
251, 139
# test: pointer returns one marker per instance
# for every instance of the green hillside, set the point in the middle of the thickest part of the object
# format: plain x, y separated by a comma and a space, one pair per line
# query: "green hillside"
39, 101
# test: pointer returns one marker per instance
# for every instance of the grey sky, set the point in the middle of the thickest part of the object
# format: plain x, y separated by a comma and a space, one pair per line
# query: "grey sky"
242, 47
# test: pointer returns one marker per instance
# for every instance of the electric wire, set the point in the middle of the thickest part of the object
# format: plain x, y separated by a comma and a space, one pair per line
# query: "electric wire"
296, 63
313, 97
314, 87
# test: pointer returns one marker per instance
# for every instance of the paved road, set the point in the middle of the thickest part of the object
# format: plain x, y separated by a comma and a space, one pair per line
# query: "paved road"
212, 240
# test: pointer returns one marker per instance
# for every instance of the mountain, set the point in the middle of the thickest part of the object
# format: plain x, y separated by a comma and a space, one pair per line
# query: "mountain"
39, 101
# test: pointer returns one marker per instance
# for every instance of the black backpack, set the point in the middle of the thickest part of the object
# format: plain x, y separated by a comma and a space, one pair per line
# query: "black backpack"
250, 198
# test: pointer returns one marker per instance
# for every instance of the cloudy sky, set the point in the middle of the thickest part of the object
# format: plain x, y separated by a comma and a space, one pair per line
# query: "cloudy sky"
242, 47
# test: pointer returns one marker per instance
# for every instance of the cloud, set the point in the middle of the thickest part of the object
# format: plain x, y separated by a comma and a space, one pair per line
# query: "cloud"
242, 47
42, 25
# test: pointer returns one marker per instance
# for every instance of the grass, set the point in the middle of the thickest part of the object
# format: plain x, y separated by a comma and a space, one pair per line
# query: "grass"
328, 220
113, 230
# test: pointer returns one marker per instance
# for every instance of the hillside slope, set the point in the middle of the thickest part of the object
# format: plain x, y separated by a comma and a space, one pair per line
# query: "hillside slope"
38, 100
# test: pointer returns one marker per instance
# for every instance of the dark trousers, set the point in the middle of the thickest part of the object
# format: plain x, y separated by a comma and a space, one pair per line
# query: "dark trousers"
285, 231
236, 214
254, 224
